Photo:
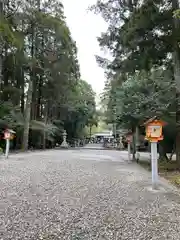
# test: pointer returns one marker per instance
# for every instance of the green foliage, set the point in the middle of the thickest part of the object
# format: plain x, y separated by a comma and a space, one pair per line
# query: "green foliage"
142, 96
163, 166
168, 166
1, 151
177, 13
139, 35
38, 49
175, 179
145, 95
143, 39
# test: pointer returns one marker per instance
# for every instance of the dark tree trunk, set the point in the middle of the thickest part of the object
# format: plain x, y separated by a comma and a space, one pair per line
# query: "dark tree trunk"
27, 112
1, 44
162, 152
90, 130
5, 73
176, 61
22, 91
38, 108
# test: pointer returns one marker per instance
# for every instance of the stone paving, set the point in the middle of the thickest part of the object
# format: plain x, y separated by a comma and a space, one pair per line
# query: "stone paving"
83, 195
93, 146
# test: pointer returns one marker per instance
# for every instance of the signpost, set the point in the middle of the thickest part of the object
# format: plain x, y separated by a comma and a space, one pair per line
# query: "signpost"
154, 134
7, 137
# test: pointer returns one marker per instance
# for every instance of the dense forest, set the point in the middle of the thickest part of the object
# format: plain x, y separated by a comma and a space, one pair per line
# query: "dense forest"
143, 76
41, 90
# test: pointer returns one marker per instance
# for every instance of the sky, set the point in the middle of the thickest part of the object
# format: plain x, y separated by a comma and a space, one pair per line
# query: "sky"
85, 27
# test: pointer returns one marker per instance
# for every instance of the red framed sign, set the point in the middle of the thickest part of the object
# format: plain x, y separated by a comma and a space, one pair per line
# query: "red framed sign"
7, 135
154, 130
129, 138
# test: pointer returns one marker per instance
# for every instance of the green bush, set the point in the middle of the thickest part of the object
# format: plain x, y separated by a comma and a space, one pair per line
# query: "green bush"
1, 151
163, 166
175, 180
168, 166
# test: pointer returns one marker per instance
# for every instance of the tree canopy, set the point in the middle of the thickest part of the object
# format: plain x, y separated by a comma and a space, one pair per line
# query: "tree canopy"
143, 77
41, 90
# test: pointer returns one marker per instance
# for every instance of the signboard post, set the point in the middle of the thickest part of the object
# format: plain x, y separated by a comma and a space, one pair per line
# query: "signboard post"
7, 136
154, 134
154, 165
129, 151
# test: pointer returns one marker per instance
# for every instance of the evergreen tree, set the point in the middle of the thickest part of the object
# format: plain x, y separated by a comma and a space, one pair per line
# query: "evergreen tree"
41, 88
142, 35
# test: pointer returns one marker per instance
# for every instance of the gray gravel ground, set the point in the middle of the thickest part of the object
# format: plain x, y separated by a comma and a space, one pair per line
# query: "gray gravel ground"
75, 195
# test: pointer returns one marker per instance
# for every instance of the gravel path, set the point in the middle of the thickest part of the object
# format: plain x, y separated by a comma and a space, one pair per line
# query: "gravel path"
79, 195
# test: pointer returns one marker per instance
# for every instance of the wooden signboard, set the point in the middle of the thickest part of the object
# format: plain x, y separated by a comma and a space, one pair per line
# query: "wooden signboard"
7, 135
154, 130
129, 138
154, 134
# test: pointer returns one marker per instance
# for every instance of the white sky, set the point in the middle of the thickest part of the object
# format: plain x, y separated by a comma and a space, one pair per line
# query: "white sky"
85, 28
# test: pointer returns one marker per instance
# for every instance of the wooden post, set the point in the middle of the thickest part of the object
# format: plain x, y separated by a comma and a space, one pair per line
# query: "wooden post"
154, 165
129, 151
7, 148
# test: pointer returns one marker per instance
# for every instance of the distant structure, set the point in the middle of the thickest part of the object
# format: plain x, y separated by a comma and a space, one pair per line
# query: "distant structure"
104, 134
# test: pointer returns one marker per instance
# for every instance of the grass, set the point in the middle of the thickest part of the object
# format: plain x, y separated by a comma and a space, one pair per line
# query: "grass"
168, 170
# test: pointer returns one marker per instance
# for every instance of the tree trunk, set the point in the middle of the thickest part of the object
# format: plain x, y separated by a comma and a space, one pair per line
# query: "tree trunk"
5, 72
137, 139
162, 152
134, 147
44, 131
176, 61
39, 94
40, 85
27, 117
34, 99
1, 43
22, 97
90, 130
22, 93
27, 112
173, 152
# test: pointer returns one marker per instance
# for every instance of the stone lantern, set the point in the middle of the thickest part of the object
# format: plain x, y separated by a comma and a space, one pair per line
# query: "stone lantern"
64, 144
